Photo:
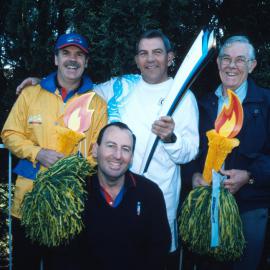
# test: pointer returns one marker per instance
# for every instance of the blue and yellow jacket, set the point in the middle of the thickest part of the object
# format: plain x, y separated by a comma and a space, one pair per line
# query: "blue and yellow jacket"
31, 126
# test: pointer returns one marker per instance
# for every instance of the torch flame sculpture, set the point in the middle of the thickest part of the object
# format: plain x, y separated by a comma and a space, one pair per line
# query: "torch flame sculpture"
77, 119
221, 140
204, 225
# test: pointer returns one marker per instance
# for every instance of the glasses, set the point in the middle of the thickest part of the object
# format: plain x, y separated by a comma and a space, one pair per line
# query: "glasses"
238, 61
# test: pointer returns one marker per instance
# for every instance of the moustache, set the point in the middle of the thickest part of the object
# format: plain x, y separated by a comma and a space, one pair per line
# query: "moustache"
72, 63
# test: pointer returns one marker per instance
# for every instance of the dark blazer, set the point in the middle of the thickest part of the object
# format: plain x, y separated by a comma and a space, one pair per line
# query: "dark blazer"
253, 153
135, 235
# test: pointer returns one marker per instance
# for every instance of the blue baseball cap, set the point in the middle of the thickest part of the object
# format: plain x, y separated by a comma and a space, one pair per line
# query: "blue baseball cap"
72, 39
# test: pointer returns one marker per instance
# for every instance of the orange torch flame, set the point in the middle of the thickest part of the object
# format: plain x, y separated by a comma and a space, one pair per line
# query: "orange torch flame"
230, 120
77, 115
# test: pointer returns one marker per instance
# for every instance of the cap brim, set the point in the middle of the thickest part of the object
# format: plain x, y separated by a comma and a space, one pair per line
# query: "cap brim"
74, 44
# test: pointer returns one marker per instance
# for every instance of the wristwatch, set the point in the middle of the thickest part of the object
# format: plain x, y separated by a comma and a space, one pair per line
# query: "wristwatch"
172, 139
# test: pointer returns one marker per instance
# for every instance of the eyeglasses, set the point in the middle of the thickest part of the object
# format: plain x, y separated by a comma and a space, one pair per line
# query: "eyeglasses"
239, 61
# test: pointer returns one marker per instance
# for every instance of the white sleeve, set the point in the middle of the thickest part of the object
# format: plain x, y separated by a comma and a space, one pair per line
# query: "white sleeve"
105, 90
186, 119
111, 91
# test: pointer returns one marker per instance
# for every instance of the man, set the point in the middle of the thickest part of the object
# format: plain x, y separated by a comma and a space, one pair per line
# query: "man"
30, 131
126, 226
248, 166
136, 100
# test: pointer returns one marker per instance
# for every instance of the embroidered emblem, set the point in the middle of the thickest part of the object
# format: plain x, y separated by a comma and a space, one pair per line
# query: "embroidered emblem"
138, 208
35, 119
161, 101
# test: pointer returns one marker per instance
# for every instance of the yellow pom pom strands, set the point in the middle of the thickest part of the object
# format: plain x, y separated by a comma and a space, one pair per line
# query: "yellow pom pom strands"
51, 212
195, 225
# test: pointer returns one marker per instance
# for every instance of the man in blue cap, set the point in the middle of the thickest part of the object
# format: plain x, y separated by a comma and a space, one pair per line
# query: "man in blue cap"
30, 132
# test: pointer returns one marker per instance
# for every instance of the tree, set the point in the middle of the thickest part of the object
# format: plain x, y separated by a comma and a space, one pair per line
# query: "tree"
29, 29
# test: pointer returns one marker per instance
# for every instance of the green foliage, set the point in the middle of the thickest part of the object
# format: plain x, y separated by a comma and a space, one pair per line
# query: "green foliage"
4, 237
29, 29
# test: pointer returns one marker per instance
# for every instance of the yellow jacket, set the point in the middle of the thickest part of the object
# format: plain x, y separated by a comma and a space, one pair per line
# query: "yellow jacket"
31, 125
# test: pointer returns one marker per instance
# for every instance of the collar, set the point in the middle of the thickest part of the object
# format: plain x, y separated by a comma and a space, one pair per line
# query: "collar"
66, 95
129, 182
241, 92
152, 87
107, 197
253, 95
49, 84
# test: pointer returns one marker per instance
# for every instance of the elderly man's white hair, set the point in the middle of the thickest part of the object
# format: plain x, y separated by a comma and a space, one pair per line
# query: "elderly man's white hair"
241, 39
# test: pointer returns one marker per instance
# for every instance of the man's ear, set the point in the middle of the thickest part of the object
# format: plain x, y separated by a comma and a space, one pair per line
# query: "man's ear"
218, 63
136, 60
252, 66
55, 60
170, 58
94, 150
86, 62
